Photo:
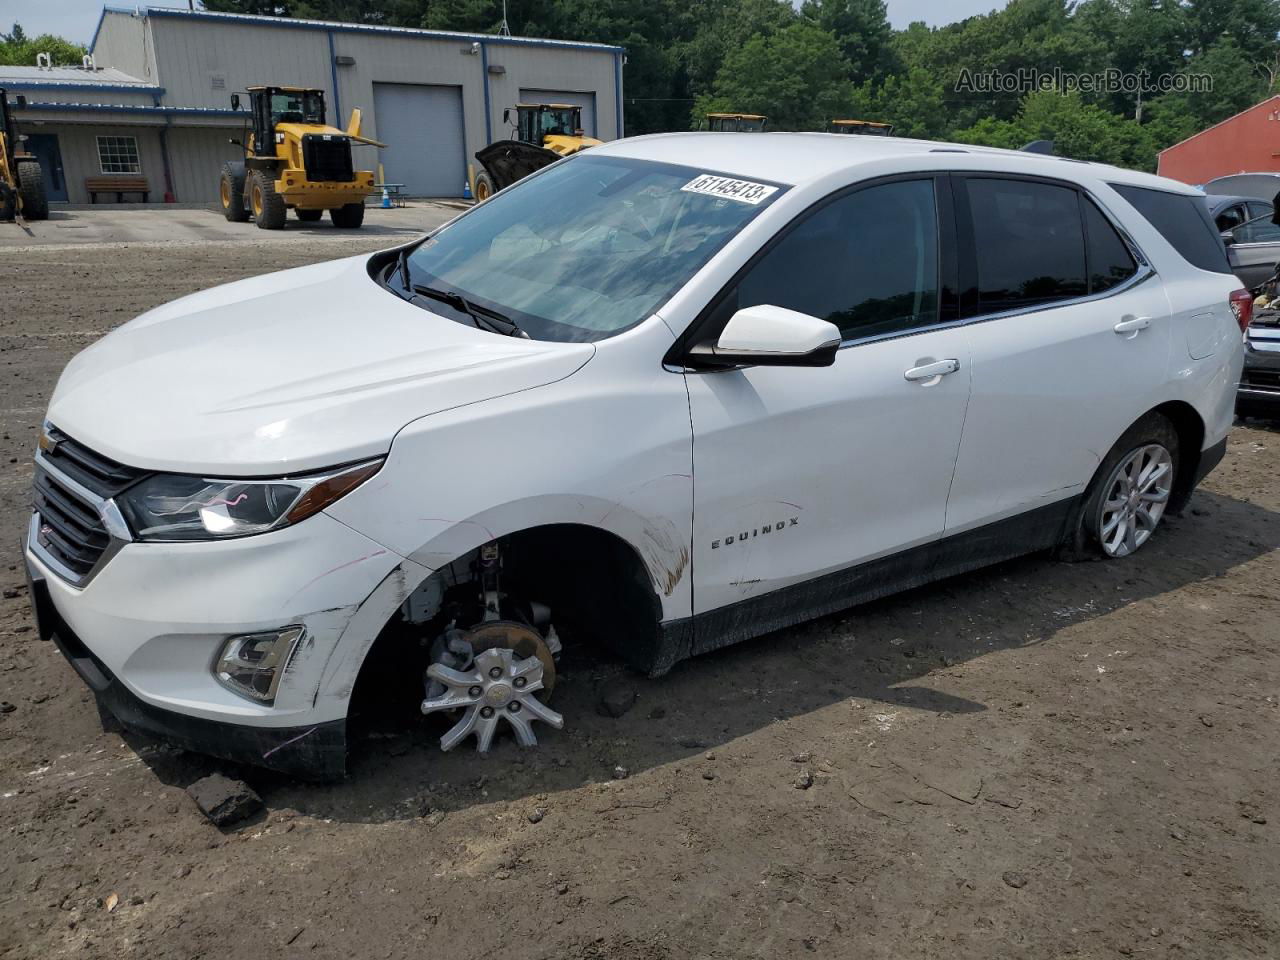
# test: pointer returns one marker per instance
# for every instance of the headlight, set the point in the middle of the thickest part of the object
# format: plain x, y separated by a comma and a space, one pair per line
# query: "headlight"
175, 507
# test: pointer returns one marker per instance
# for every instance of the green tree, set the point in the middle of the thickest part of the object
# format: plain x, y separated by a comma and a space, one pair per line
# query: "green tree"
862, 29
913, 102
1236, 85
1079, 130
17, 49
798, 77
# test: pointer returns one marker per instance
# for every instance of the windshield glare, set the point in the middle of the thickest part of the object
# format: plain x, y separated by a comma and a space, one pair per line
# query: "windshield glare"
584, 250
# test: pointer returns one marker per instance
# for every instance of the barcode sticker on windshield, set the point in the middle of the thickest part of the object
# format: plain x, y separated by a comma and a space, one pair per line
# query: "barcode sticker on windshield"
744, 191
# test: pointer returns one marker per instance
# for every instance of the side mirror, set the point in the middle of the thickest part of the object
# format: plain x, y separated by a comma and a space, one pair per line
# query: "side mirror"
1229, 238
235, 101
506, 115
766, 335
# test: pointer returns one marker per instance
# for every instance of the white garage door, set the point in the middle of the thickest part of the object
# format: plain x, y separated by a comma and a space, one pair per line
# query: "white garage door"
422, 128
587, 101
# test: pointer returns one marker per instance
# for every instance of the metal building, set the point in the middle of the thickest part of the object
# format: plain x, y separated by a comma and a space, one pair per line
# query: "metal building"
153, 99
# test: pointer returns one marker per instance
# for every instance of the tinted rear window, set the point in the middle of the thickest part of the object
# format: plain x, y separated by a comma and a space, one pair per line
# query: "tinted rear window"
1029, 243
1183, 221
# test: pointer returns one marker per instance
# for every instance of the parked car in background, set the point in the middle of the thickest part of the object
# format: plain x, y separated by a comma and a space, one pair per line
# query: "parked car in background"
1253, 250
1229, 212
1259, 394
883, 361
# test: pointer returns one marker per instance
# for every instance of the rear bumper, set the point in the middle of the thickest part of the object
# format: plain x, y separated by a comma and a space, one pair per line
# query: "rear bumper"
1259, 392
314, 751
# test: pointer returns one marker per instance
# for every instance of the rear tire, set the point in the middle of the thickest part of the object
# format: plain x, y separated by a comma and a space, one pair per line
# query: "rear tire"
309, 216
35, 205
268, 207
484, 187
1129, 494
348, 217
231, 192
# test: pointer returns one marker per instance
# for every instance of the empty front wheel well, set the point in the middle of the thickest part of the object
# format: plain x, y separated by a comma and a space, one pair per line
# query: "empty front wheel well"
595, 585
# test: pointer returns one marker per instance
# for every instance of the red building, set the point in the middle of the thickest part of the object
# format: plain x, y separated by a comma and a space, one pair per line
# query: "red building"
1249, 142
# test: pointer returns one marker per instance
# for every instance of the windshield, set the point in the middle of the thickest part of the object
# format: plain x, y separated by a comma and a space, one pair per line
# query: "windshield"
297, 107
589, 247
558, 123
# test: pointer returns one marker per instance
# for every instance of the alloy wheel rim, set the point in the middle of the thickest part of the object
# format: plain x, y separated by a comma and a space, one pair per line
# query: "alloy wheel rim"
1135, 498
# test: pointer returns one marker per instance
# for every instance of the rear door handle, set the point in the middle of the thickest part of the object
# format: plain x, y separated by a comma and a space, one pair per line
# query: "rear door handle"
932, 372
1132, 326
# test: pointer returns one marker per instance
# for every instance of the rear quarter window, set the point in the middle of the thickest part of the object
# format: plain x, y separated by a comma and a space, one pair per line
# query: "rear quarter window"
1183, 221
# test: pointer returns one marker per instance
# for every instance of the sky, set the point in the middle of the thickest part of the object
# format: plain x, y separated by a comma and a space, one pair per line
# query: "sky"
76, 19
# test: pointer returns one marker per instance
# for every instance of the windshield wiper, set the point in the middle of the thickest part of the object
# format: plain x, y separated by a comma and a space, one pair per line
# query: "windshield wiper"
402, 262
482, 317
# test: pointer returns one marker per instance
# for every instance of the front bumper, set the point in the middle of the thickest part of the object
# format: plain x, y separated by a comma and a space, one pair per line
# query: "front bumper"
1259, 392
145, 632
314, 752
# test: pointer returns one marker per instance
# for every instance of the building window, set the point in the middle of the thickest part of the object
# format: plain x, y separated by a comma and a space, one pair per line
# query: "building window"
118, 155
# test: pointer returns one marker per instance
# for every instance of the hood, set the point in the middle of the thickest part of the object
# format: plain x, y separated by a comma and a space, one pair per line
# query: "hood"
286, 372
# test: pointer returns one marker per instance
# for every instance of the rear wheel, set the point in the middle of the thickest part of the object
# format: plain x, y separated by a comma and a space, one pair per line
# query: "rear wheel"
268, 207
35, 205
309, 216
348, 216
231, 192
1131, 490
484, 187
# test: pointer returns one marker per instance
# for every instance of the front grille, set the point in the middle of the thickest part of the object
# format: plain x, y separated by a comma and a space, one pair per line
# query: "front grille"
1262, 378
327, 157
71, 528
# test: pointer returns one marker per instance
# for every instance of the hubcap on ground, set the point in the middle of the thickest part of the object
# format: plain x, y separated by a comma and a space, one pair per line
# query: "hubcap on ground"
1135, 498
499, 687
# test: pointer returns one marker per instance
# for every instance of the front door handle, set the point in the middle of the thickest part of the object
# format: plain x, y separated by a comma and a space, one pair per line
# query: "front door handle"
1132, 326
931, 373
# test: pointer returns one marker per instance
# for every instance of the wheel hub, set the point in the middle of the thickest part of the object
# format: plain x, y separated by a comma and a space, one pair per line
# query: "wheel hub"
500, 686
1137, 494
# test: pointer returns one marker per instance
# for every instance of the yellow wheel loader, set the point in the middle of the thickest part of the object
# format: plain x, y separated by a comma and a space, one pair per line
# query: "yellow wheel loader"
22, 195
543, 133
736, 122
294, 160
864, 128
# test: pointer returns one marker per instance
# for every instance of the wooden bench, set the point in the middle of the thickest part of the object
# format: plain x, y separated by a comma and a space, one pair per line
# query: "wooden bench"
119, 185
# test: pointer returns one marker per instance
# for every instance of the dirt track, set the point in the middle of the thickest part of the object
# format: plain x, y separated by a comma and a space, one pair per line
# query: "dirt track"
1040, 760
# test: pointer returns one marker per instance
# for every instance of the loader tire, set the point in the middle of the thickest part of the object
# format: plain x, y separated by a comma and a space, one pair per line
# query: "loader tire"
309, 216
268, 207
348, 217
35, 205
484, 187
231, 192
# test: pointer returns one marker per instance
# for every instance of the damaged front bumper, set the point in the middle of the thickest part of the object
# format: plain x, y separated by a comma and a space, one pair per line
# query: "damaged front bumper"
148, 635
313, 752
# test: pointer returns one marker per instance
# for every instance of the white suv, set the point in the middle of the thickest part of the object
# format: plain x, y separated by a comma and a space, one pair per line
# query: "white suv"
667, 394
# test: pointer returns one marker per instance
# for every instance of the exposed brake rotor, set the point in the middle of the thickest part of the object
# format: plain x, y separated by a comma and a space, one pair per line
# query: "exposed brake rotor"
513, 671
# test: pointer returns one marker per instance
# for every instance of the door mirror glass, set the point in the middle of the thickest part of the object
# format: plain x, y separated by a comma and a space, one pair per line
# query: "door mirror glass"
766, 335
235, 101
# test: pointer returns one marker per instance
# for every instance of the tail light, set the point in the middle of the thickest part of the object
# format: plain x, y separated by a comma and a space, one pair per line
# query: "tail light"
1242, 306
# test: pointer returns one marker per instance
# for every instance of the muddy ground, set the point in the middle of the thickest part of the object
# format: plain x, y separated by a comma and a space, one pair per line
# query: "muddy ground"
1039, 760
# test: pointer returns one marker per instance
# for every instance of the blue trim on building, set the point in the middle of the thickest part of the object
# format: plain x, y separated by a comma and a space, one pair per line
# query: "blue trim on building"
333, 72
617, 96
488, 113
292, 24
98, 29
131, 108
79, 85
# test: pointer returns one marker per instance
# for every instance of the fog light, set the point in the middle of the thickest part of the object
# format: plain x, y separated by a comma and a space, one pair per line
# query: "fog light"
251, 665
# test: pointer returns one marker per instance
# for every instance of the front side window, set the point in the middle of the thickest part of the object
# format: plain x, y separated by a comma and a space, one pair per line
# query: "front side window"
590, 246
1028, 243
118, 155
867, 262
